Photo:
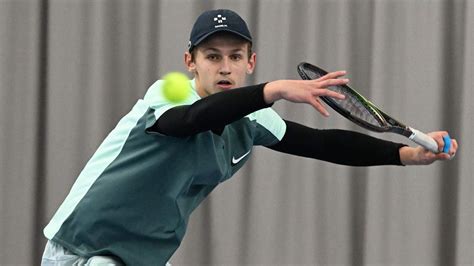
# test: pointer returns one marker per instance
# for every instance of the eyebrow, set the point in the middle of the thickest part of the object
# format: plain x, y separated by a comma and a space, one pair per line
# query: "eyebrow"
211, 49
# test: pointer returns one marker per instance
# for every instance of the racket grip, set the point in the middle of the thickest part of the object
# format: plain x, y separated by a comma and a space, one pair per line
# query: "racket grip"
424, 140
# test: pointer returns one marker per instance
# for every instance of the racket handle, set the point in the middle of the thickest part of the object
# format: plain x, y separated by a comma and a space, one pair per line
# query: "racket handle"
424, 140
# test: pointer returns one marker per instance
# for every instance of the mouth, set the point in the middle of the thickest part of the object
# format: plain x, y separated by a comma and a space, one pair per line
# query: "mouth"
224, 84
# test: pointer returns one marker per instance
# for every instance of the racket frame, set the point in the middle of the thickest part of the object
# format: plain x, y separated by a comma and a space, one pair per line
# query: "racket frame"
387, 123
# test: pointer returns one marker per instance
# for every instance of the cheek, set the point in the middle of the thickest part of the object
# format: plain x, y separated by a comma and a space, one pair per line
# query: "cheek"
205, 76
243, 73
204, 69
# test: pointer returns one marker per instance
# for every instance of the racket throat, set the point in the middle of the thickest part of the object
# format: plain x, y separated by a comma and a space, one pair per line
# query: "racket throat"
404, 131
411, 133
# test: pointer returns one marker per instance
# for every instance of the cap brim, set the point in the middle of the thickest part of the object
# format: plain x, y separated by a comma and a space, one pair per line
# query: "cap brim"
215, 31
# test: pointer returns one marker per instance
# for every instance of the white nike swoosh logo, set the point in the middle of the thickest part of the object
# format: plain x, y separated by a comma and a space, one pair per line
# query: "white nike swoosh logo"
236, 161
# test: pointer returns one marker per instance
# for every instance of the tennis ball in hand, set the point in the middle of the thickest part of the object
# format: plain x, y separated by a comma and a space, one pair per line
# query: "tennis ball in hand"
176, 87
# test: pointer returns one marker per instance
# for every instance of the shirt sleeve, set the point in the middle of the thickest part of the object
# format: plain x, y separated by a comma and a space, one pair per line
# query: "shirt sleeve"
270, 127
338, 146
210, 113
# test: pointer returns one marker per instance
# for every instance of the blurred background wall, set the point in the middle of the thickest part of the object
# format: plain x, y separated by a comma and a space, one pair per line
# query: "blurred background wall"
69, 69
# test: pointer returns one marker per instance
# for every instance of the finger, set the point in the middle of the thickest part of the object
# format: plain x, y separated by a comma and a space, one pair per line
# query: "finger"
319, 103
443, 156
454, 147
328, 93
438, 134
318, 106
332, 75
332, 82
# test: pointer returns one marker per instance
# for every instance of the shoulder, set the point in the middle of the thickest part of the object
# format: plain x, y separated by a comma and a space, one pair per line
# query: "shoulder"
270, 121
154, 96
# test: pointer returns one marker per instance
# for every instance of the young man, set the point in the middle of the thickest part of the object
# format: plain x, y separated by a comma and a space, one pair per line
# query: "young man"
132, 201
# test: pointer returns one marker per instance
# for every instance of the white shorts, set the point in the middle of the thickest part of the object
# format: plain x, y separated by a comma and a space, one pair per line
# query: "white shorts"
56, 255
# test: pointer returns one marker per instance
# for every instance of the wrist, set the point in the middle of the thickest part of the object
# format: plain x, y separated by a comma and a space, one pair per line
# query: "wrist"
271, 92
406, 155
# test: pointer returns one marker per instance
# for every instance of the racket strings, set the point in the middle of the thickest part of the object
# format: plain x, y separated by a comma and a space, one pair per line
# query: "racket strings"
352, 103
354, 106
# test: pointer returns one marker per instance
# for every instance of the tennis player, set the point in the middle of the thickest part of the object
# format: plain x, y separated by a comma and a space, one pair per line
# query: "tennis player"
132, 201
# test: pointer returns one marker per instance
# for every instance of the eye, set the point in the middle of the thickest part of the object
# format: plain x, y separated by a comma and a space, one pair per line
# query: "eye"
236, 57
213, 57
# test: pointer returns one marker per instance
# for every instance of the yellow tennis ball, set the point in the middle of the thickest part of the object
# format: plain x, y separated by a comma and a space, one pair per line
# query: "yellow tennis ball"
176, 87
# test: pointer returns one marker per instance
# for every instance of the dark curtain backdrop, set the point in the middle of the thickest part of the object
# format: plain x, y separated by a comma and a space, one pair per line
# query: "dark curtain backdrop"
69, 69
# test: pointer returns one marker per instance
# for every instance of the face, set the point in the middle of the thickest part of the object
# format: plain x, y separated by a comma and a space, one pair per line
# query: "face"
220, 63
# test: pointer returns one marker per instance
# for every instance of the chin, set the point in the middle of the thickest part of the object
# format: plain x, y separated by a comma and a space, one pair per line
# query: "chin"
219, 89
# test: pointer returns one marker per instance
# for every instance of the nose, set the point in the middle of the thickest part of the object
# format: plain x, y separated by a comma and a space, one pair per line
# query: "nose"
225, 67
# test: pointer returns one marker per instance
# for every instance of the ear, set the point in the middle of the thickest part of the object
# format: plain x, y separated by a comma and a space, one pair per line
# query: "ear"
251, 64
190, 65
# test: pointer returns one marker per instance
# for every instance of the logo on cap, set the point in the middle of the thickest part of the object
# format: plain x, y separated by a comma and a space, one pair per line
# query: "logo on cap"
220, 19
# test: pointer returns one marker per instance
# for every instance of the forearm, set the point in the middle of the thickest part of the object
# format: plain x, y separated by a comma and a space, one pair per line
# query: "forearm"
338, 146
214, 111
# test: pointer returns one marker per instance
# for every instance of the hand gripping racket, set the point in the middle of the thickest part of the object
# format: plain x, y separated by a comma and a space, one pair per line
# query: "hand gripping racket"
361, 111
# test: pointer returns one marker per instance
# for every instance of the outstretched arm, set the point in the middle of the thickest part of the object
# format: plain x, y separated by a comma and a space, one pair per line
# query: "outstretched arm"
338, 146
309, 91
355, 149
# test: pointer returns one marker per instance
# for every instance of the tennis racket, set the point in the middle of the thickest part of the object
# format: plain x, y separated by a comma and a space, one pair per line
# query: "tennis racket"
362, 112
